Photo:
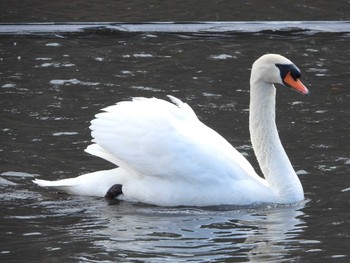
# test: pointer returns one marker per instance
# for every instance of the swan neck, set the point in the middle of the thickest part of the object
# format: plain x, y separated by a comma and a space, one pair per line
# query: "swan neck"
273, 160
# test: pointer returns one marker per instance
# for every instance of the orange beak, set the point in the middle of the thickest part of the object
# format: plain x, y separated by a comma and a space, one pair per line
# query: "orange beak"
295, 84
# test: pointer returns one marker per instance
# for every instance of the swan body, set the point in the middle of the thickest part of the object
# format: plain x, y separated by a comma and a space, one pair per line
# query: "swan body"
166, 156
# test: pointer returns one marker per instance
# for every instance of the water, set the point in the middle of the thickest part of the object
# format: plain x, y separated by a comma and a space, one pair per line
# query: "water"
179, 10
52, 85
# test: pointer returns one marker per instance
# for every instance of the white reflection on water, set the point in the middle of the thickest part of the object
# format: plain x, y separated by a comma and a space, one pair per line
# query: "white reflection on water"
135, 232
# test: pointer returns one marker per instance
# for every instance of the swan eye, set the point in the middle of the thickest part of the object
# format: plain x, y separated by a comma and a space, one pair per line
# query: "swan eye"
286, 68
290, 75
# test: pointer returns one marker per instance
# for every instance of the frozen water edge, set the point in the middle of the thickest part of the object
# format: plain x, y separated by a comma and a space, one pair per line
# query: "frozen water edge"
174, 27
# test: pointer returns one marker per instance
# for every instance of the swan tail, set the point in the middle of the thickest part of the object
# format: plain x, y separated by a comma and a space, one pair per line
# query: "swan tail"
91, 184
96, 150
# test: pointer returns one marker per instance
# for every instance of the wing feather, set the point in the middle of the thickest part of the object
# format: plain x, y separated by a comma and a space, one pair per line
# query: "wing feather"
165, 140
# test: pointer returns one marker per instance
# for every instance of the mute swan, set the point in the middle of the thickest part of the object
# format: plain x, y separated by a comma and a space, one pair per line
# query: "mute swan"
166, 156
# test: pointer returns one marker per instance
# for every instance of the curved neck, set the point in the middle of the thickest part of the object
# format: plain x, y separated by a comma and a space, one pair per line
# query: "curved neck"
272, 158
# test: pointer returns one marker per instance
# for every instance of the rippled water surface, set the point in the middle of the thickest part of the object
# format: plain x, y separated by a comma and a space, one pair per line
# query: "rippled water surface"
50, 88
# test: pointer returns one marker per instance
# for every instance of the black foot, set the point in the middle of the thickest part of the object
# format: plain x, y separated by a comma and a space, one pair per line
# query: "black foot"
114, 191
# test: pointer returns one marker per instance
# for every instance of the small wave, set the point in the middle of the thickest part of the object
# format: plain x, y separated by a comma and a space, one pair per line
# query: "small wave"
221, 57
59, 82
64, 133
8, 85
53, 45
16, 174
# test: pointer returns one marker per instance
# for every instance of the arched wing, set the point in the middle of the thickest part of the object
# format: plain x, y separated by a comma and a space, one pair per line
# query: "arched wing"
157, 138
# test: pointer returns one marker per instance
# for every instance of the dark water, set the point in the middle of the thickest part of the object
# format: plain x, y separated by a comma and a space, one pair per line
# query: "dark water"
178, 10
51, 86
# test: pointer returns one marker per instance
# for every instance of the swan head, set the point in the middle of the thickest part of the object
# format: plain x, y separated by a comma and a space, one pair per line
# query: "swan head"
276, 69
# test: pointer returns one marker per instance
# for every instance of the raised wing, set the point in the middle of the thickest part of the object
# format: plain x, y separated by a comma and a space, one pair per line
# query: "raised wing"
157, 138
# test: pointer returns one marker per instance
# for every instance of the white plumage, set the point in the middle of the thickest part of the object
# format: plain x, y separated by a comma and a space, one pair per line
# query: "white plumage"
166, 156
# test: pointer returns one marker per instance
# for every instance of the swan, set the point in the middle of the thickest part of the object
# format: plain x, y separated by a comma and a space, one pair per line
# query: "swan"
166, 156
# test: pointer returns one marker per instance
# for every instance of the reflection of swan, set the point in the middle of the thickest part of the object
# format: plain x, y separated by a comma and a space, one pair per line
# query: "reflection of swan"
151, 234
279, 230
166, 156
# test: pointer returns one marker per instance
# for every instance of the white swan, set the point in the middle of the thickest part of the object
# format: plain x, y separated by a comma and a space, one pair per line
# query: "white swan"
167, 157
